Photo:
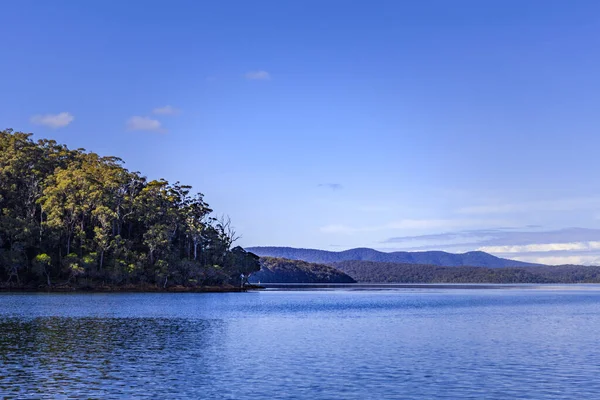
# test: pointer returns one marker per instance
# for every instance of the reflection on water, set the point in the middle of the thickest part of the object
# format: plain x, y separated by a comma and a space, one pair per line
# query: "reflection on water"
445, 343
91, 357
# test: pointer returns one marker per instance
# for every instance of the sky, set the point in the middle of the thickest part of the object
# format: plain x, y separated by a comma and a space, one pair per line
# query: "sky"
396, 125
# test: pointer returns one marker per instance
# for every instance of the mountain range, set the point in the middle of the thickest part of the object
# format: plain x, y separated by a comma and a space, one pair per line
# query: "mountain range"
438, 258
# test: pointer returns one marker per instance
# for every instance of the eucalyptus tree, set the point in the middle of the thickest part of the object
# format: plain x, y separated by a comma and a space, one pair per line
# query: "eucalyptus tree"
67, 214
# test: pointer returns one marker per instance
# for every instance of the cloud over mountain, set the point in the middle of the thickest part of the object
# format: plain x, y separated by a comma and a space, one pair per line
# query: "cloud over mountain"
569, 245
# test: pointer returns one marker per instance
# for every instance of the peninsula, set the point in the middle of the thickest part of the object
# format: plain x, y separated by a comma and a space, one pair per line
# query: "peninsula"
72, 219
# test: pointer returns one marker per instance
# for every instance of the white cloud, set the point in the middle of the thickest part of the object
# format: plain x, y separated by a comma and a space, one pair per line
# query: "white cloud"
258, 75
53, 121
166, 110
497, 238
543, 247
137, 123
593, 259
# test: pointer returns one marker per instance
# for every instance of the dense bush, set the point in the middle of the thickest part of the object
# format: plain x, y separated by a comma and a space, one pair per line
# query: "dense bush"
280, 270
69, 216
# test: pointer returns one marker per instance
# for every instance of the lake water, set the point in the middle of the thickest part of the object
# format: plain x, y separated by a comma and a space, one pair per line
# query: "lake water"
401, 343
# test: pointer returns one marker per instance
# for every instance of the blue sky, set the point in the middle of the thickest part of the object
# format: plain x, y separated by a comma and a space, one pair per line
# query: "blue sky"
394, 125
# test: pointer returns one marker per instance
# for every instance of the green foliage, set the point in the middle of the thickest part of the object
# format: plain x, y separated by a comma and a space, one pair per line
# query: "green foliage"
73, 215
43, 259
41, 266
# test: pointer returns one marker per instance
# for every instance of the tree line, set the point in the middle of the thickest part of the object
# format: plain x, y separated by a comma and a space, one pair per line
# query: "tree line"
281, 270
383, 272
77, 218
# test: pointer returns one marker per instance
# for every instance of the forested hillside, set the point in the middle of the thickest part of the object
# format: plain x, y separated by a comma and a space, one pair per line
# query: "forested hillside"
280, 270
369, 271
76, 218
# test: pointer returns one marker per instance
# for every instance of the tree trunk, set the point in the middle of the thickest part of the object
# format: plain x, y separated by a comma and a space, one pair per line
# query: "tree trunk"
41, 223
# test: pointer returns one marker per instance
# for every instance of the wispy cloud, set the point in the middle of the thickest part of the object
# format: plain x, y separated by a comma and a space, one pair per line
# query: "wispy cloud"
332, 186
415, 224
443, 237
137, 123
409, 224
543, 247
166, 110
506, 236
584, 259
53, 121
561, 246
259, 75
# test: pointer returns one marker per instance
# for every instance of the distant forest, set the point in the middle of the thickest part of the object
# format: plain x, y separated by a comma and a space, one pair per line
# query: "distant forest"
369, 271
281, 270
72, 217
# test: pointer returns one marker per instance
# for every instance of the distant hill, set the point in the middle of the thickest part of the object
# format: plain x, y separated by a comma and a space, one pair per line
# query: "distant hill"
382, 272
279, 270
440, 258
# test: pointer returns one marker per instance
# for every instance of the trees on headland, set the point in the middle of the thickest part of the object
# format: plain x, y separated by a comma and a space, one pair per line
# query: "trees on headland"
74, 216
384, 272
281, 270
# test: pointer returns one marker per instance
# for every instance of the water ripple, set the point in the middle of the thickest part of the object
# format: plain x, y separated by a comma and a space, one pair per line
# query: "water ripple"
310, 345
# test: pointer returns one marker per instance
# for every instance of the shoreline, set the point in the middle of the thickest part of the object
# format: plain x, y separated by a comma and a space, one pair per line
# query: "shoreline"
128, 289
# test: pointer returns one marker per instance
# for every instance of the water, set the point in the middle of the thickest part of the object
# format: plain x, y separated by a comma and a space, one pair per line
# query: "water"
304, 344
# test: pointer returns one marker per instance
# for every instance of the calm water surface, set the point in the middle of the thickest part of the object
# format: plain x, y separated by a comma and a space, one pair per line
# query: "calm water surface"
304, 344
